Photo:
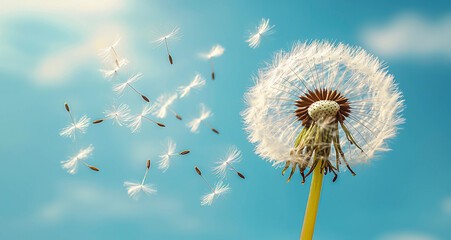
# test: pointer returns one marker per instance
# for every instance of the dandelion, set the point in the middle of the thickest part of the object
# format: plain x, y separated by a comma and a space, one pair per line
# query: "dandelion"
174, 35
233, 156
215, 51
220, 189
120, 114
205, 113
320, 106
72, 163
165, 158
163, 103
119, 88
74, 127
133, 189
110, 73
263, 29
197, 82
110, 51
136, 122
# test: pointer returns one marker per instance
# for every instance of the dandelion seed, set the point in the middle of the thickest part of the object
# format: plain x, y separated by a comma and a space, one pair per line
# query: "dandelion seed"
195, 123
74, 127
197, 82
165, 158
220, 189
233, 156
317, 105
133, 189
110, 73
174, 35
163, 103
119, 88
120, 114
72, 163
136, 122
263, 29
110, 52
215, 51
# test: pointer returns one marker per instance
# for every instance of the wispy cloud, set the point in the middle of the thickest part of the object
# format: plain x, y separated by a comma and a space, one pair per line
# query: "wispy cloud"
407, 235
446, 205
410, 35
88, 202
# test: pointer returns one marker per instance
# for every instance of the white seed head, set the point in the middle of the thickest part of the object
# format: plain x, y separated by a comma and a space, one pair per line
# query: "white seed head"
322, 109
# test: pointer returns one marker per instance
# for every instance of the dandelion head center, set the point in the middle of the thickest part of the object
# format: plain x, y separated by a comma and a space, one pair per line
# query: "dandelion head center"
321, 103
322, 109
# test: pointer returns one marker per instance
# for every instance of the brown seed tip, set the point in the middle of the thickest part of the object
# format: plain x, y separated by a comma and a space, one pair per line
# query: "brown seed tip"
67, 107
214, 130
93, 168
184, 152
213, 75
198, 171
178, 117
241, 175
148, 164
161, 125
97, 121
145, 98
117, 63
170, 59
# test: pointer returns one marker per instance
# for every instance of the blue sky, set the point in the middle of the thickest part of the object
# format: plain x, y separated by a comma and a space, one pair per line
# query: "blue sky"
48, 57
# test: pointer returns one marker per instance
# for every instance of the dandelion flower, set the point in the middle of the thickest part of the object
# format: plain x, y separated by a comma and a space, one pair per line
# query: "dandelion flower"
136, 122
163, 103
110, 73
119, 88
215, 51
74, 127
220, 189
197, 82
174, 35
195, 123
110, 52
263, 29
133, 189
72, 163
120, 114
165, 158
233, 156
320, 106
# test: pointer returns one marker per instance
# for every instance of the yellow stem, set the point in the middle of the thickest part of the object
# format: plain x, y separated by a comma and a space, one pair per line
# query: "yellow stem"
312, 204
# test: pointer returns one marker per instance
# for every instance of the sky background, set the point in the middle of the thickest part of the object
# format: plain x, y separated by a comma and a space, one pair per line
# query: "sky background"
48, 56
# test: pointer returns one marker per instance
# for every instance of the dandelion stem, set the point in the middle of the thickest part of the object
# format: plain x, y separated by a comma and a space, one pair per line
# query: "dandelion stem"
145, 175
312, 204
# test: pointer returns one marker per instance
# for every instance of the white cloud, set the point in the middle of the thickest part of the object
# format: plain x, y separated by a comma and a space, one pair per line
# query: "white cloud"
94, 21
410, 35
88, 202
407, 236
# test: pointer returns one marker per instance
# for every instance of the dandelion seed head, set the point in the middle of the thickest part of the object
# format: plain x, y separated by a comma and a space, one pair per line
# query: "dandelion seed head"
72, 129
163, 103
133, 189
173, 35
120, 87
233, 155
166, 157
110, 73
197, 82
136, 121
263, 29
299, 93
108, 51
220, 189
71, 165
194, 124
215, 51
120, 114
